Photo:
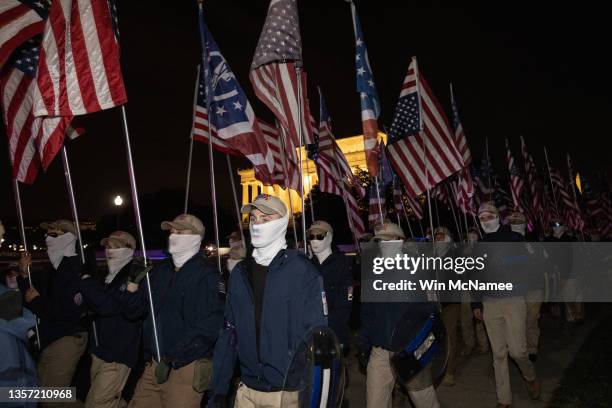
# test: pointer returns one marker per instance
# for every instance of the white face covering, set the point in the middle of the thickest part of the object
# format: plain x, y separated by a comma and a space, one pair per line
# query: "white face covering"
558, 231
116, 259
520, 228
268, 239
490, 226
183, 247
389, 249
442, 247
322, 248
59, 247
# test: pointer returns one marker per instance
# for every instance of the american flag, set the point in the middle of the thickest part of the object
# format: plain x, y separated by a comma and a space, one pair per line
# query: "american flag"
232, 118
531, 175
370, 104
502, 200
567, 209
465, 186
516, 182
19, 21
460, 137
421, 146
377, 205
32, 140
276, 72
79, 69
443, 193
415, 205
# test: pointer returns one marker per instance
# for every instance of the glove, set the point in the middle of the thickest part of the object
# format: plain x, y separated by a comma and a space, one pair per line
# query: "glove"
363, 358
138, 270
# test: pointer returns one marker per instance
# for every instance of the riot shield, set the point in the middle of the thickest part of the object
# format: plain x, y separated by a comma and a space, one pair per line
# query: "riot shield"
420, 347
316, 376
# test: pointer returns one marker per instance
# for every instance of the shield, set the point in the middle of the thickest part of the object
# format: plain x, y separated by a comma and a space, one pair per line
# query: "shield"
316, 375
419, 345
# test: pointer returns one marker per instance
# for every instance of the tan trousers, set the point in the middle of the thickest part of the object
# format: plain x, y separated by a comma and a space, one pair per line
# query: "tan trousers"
380, 382
177, 392
450, 316
249, 398
574, 307
107, 382
505, 320
533, 301
472, 331
58, 362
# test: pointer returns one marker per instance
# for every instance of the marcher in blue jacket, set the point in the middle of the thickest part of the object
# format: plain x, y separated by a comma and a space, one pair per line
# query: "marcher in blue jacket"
116, 353
56, 300
274, 298
188, 314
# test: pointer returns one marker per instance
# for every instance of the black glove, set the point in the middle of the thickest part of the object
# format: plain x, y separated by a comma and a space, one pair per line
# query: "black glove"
363, 358
139, 270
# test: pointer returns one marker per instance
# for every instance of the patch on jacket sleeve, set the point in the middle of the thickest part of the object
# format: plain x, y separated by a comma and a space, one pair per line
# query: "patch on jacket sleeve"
349, 294
324, 299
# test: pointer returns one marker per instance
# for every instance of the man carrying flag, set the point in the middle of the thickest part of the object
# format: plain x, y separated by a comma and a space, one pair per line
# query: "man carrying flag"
370, 105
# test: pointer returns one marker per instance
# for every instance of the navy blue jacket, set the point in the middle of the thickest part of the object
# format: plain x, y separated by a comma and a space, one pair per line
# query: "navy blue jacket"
338, 283
188, 310
58, 306
292, 305
118, 336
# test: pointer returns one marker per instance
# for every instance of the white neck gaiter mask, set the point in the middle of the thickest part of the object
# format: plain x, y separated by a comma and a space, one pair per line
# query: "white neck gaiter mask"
322, 248
116, 259
268, 239
59, 247
490, 227
388, 249
183, 247
520, 228
441, 247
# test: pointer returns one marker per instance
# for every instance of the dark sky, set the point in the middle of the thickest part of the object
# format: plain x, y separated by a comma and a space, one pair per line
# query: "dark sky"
519, 67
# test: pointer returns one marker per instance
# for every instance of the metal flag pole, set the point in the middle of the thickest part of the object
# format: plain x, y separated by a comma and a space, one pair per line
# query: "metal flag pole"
211, 163
437, 213
287, 182
301, 140
457, 225
189, 160
552, 186
75, 216
238, 215
380, 211
488, 166
466, 225
340, 181
25, 245
312, 215
134, 191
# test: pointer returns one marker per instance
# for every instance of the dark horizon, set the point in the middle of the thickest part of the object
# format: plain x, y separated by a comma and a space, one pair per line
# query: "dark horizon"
521, 69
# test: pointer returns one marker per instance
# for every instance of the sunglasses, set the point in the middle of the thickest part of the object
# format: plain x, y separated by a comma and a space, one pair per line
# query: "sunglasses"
316, 237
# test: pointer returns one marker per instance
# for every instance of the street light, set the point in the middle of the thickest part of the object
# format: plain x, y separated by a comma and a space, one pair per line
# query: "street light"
118, 203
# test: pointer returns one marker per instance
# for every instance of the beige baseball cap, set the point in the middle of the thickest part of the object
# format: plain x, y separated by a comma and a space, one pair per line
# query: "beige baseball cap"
488, 207
122, 238
389, 231
320, 226
62, 225
442, 230
267, 204
517, 217
185, 222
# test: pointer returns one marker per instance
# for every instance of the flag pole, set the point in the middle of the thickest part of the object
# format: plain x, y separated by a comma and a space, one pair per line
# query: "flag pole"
238, 215
189, 160
287, 182
211, 161
135, 203
75, 216
380, 211
457, 224
488, 166
552, 186
301, 139
312, 215
25, 245
340, 180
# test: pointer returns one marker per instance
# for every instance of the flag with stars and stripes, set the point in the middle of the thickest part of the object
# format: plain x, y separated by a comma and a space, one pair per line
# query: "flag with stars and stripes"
79, 70
277, 76
421, 145
19, 21
370, 104
33, 141
566, 207
531, 176
231, 118
516, 181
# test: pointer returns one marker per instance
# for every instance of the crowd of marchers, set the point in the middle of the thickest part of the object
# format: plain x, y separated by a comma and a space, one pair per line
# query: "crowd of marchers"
227, 338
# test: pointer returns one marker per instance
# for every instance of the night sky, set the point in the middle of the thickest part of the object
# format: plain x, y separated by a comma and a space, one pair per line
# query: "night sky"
517, 68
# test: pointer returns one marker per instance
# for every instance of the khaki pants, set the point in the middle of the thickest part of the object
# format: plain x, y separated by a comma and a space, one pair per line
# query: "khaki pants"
58, 362
505, 320
472, 331
107, 382
533, 303
177, 392
380, 382
574, 307
450, 317
249, 398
